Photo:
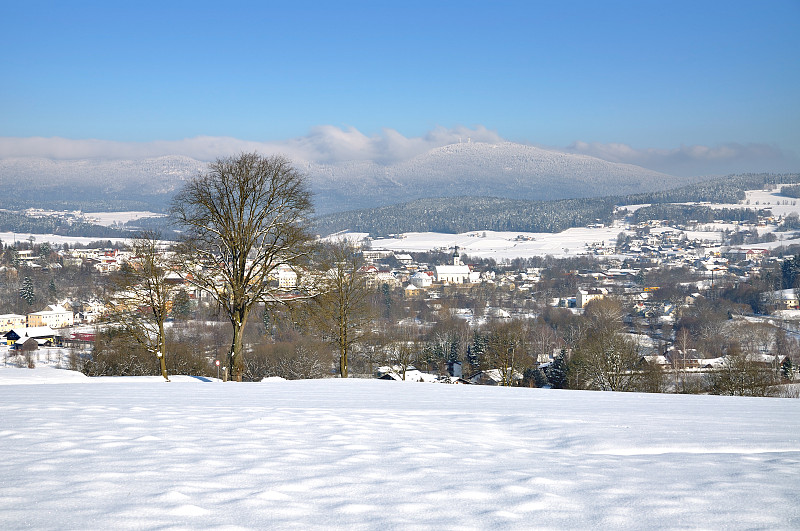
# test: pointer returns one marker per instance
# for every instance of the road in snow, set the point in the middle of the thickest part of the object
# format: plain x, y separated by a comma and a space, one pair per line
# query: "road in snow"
124, 453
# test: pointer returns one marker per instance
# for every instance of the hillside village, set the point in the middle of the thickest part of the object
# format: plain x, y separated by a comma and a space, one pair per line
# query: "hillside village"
665, 275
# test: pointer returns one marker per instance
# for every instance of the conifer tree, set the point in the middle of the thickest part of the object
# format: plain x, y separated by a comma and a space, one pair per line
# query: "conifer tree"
557, 373
786, 369
26, 291
476, 351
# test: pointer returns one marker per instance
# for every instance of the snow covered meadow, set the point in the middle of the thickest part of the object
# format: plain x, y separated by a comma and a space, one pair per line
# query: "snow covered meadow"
122, 453
504, 245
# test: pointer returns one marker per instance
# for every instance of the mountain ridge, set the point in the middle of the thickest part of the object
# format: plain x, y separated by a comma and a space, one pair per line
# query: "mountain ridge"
504, 169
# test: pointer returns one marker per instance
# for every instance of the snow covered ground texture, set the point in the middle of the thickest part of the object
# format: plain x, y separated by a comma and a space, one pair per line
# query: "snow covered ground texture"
504, 245
124, 453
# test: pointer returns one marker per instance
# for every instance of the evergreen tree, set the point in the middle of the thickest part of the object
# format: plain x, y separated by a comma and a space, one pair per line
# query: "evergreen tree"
453, 356
790, 269
44, 251
539, 378
386, 291
181, 305
51, 289
557, 373
472, 359
476, 351
26, 291
787, 369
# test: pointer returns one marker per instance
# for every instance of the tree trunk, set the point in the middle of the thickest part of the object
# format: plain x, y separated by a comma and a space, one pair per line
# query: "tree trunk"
162, 359
235, 357
343, 361
343, 348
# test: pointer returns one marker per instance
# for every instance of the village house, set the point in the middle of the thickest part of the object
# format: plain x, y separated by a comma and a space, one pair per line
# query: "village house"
376, 278
26, 257
495, 377
43, 335
421, 279
375, 255
404, 259
54, 317
783, 299
287, 277
586, 295
10, 321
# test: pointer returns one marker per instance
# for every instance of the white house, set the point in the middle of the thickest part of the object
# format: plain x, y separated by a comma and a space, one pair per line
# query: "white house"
287, 277
421, 280
54, 317
586, 295
785, 299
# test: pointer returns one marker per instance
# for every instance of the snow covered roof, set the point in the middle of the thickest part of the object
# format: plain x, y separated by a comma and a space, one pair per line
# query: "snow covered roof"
452, 270
31, 331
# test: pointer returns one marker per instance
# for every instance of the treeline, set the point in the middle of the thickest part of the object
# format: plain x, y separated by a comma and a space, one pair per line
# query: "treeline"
462, 214
14, 222
728, 189
702, 214
791, 191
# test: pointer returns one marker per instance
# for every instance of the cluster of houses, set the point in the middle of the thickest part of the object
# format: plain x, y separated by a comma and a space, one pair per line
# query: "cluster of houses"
44, 328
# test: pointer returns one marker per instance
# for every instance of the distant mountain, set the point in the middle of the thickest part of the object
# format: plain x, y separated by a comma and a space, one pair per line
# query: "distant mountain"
92, 184
476, 169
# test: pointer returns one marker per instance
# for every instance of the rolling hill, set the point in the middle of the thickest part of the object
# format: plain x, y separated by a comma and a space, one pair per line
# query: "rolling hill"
506, 170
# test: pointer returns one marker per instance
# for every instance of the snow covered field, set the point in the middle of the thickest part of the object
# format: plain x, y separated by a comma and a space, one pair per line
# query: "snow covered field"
10, 237
504, 245
108, 219
123, 453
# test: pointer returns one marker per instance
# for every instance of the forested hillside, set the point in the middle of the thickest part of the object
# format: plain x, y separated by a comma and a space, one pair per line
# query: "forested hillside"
14, 222
462, 214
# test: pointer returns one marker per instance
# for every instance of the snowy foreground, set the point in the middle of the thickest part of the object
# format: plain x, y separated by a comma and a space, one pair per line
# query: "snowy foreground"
121, 453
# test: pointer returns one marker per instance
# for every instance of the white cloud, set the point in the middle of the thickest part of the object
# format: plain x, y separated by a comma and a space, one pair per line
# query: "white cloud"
330, 144
325, 144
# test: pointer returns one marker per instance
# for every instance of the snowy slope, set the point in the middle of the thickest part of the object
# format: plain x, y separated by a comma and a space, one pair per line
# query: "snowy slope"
504, 245
501, 170
367, 454
479, 169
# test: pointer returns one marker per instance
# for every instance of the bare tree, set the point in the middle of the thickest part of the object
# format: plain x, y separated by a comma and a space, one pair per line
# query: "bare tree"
606, 359
403, 350
142, 297
678, 361
343, 308
507, 351
243, 218
739, 375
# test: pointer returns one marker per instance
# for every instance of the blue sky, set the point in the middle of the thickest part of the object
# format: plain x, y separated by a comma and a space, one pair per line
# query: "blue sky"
593, 77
